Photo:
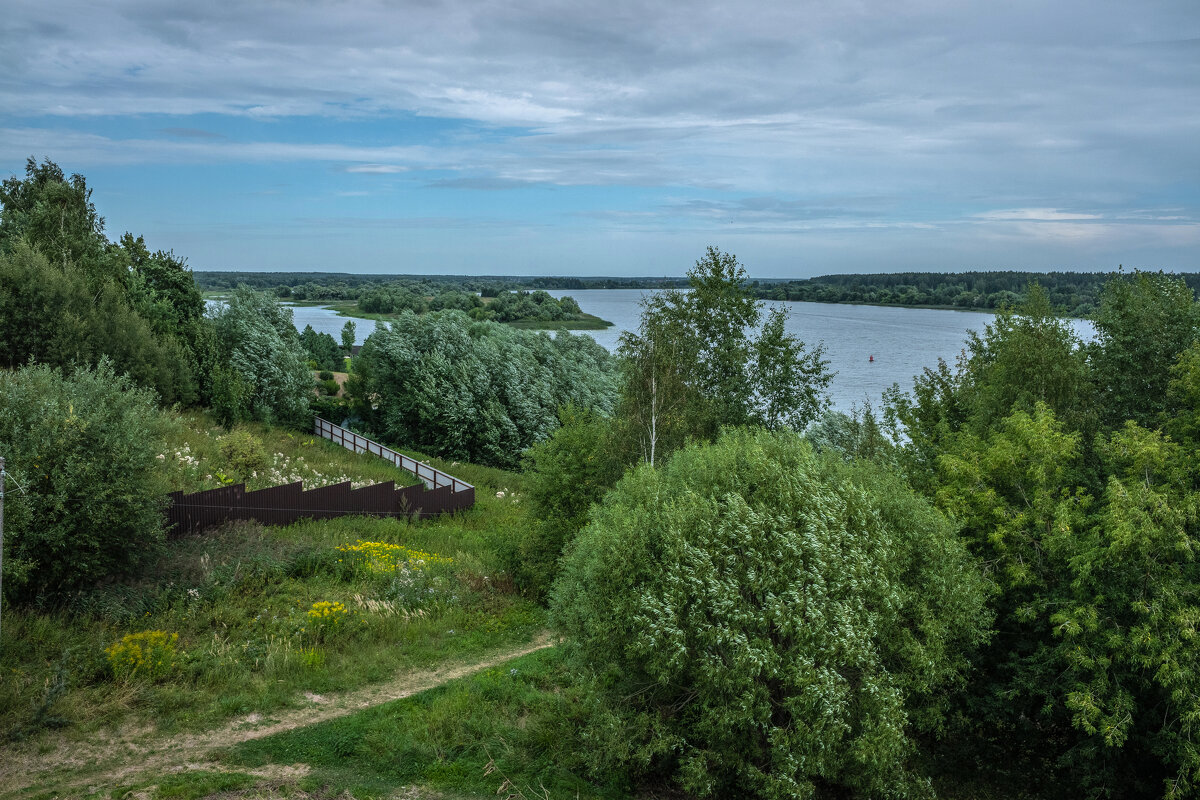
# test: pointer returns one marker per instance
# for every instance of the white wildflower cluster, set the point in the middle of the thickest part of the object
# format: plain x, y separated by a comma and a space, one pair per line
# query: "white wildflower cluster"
290, 470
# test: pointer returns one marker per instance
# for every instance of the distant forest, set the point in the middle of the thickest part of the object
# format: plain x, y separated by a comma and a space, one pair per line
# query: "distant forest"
1072, 293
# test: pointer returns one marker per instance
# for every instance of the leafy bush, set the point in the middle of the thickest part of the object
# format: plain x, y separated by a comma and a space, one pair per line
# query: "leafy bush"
83, 449
1093, 673
567, 474
759, 621
243, 453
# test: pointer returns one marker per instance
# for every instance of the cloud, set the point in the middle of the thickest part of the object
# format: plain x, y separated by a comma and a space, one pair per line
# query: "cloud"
191, 133
1035, 215
375, 169
483, 184
881, 115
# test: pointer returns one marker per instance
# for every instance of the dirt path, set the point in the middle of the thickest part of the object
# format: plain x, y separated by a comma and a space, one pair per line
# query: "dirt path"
118, 758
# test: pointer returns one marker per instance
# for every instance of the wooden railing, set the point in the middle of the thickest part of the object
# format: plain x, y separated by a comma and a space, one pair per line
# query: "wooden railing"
434, 478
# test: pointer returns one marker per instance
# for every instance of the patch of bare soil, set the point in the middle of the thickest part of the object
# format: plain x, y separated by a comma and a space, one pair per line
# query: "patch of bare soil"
135, 752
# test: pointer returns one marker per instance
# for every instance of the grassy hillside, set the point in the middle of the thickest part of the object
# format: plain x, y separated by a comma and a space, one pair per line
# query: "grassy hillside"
254, 619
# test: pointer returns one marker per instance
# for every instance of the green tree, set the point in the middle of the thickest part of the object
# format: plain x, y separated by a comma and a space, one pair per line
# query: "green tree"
83, 447
161, 286
321, 348
1183, 397
755, 620
1145, 321
348, 336
693, 365
476, 391
1025, 356
257, 342
1092, 668
48, 314
56, 216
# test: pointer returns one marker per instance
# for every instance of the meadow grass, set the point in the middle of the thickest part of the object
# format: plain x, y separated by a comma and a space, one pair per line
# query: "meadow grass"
502, 728
196, 458
240, 596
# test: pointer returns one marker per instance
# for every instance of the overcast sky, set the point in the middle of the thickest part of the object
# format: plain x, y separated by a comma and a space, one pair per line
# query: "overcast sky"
620, 138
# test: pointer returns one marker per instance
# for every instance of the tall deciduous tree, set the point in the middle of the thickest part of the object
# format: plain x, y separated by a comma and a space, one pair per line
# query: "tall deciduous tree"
477, 391
261, 349
698, 362
1146, 320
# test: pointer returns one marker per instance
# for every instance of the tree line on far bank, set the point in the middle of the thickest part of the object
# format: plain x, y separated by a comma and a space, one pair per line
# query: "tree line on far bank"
1075, 294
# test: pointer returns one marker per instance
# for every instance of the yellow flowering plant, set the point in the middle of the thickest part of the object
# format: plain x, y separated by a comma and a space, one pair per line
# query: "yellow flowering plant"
326, 618
148, 654
383, 558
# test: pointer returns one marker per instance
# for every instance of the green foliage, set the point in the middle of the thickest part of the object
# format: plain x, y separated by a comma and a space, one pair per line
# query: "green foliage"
1092, 666
321, 348
693, 367
68, 295
566, 474
83, 449
1145, 321
269, 380
1183, 397
243, 452
1024, 357
857, 435
49, 315
56, 215
160, 286
348, 336
537, 305
475, 391
763, 622
1076, 292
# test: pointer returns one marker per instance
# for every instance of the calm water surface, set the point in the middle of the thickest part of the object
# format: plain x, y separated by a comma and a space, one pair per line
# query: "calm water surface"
903, 341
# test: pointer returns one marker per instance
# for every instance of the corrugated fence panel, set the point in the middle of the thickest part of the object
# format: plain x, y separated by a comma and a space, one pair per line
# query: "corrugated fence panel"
283, 505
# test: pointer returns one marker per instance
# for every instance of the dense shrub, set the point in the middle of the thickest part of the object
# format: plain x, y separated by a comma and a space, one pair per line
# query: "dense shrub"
566, 474
83, 451
759, 621
1093, 672
474, 391
243, 453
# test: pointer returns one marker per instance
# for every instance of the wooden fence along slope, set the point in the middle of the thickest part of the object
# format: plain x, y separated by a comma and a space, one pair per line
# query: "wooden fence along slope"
282, 505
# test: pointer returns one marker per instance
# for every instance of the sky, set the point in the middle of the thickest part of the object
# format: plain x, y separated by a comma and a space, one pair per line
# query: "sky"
621, 138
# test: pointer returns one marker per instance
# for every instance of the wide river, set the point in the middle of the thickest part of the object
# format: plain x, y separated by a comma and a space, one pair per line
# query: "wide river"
903, 341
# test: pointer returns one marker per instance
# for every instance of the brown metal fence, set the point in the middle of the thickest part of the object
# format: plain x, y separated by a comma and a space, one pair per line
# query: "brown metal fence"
283, 505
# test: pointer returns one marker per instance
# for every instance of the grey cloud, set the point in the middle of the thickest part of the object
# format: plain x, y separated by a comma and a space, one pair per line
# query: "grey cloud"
483, 184
1081, 105
192, 133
